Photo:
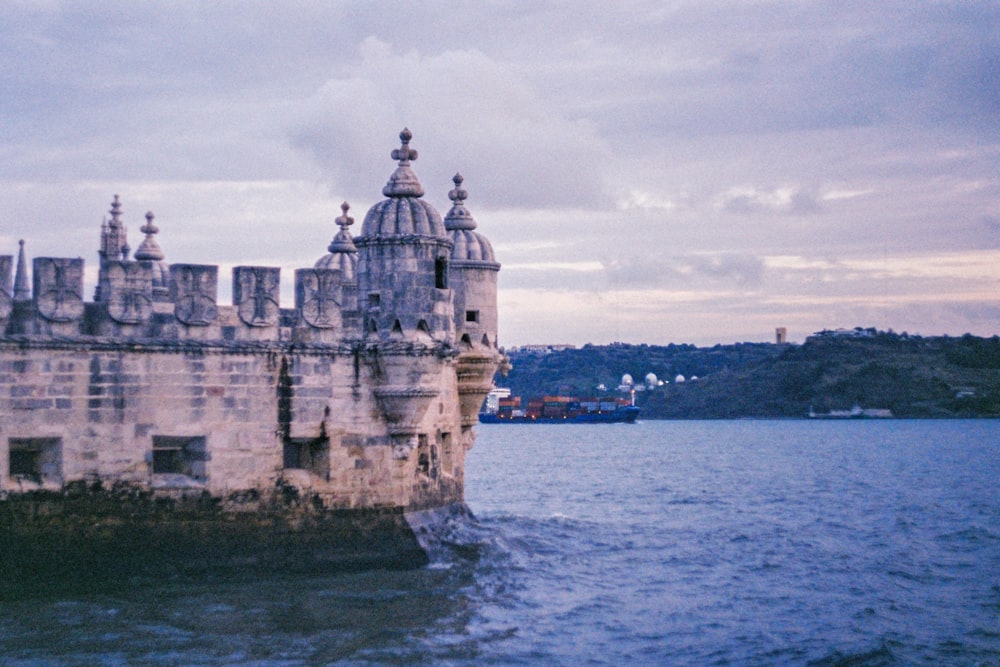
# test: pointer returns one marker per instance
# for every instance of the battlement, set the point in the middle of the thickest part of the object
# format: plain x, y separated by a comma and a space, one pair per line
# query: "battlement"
128, 305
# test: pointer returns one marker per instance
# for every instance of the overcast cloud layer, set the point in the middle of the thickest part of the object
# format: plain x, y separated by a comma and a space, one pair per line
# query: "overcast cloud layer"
647, 171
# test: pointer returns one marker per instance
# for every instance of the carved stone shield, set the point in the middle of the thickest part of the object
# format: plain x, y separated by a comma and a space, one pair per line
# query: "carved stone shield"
193, 289
58, 288
256, 290
6, 285
129, 290
317, 292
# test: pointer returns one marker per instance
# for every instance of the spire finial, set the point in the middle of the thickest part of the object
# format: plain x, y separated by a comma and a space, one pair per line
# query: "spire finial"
343, 242
22, 291
404, 153
149, 249
458, 217
116, 212
403, 182
149, 227
344, 221
458, 195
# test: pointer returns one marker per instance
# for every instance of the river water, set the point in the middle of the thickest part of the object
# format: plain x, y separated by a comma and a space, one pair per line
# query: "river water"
658, 543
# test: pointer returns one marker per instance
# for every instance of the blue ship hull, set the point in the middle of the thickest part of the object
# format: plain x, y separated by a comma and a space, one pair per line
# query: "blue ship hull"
626, 415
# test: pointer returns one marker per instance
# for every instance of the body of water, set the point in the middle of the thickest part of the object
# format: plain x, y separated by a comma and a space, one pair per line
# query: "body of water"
659, 543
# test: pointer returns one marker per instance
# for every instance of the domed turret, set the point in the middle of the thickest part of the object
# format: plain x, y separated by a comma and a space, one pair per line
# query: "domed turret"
474, 281
405, 302
403, 254
470, 246
149, 251
343, 253
474, 273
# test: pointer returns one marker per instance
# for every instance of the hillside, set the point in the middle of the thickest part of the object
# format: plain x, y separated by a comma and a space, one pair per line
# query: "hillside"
913, 376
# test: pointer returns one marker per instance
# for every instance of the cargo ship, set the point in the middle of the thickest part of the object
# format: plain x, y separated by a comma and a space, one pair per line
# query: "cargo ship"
560, 410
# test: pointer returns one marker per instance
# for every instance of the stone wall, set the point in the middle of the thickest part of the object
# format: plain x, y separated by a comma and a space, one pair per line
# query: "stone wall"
183, 418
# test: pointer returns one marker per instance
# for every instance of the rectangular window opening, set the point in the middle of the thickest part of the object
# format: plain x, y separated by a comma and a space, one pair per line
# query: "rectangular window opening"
312, 454
35, 459
472, 316
180, 455
446, 453
427, 457
441, 273
374, 299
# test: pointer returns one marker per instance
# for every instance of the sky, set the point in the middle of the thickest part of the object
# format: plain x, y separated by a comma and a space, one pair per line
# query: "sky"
648, 172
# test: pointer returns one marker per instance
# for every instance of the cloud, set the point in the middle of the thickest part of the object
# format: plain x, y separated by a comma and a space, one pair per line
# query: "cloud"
472, 114
748, 199
736, 165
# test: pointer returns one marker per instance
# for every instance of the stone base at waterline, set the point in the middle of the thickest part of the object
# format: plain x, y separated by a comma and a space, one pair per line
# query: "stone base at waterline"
52, 544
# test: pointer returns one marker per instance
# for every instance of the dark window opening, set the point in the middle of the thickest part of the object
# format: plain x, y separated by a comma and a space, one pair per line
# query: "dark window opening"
472, 316
312, 454
25, 463
427, 457
446, 452
441, 273
174, 455
423, 455
374, 299
35, 459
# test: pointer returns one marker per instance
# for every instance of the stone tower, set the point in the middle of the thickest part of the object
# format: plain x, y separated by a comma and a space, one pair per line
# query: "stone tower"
403, 256
407, 315
474, 281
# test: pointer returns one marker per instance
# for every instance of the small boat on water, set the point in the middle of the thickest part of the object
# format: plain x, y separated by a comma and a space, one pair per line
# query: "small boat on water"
561, 410
856, 412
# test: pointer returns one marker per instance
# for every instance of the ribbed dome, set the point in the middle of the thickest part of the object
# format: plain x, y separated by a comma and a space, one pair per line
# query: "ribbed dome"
403, 213
345, 261
399, 217
161, 276
469, 245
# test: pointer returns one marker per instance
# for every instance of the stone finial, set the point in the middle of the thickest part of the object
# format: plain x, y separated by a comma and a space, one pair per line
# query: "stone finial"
22, 289
344, 221
457, 195
116, 212
113, 236
403, 182
404, 153
149, 227
149, 249
458, 217
343, 242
